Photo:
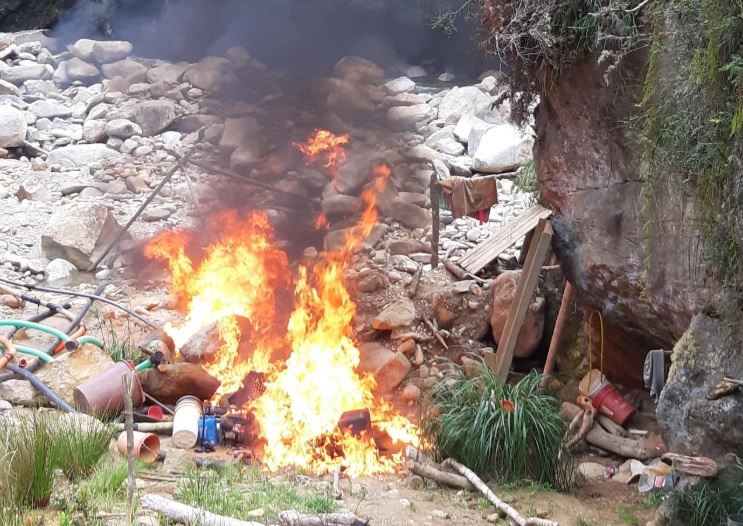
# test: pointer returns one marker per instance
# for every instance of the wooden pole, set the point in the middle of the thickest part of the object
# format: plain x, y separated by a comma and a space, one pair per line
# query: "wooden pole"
131, 485
521, 299
434, 194
567, 296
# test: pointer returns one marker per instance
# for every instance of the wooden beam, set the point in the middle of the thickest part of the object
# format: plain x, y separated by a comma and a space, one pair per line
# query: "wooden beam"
522, 298
477, 258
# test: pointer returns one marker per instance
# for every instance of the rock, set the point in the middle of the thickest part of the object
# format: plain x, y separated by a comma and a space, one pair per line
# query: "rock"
504, 288
77, 69
33, 193
237, 54
192, 123
18, 392
371, 281
689, 422
154, 116
209, 73
59, 269
156, 214
167, 73
410, 215
26, 71
205, 343
407, 99
465, 125
415, 72
140, 88
407, 246
245, 157
106, 51
399, 314
358, 70
406, 346
350, 102
47, 109
238, 132
336, 239
591, 470
356, 171
399, 85
6, 88
70, 369
13, 127
136, 185
94, 131
178, 461
83, 48
411, 393
78, 232
340, 204
461, 101
388, 368
79, 155
501, 149
130, 70
122, 128
404, 118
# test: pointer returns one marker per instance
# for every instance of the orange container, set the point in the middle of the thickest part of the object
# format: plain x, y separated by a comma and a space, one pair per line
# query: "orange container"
146, 446
611, 403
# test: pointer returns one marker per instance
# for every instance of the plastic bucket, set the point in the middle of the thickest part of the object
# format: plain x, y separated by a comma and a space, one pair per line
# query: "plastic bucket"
155, 412
611, 403
592, 383
188, 411
146, 446
104, 394
735, 520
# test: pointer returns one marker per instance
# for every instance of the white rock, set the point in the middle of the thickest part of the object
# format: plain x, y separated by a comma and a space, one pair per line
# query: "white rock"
122, 128
6, 88
49, 109
59, 269
94, 130
403, 118
80, 155
399, 85
171, 139
502, 148
13, 127
465, 125
461, 101
415, 72
78, 69
446, 77
473, 234
83, 48
24, 71
154, 116
111, 50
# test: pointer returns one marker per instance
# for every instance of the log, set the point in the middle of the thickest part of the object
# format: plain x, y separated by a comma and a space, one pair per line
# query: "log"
512, 514
611, 426
567, 296
434, 195
294, 518
625, 447
436, 474
176, 380
455, 269
699, 466
413, 454
188, 515
416, 281
435, 332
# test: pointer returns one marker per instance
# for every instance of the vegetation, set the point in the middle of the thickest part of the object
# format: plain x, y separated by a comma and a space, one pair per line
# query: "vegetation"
627, 516
511, 433
120, 348
710, 501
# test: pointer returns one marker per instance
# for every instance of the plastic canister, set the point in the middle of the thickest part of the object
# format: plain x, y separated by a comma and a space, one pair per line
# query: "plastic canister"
188, 412
208, 431
606, 398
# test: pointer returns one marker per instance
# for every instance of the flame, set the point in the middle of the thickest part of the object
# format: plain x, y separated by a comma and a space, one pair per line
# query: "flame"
326, 147
306, 395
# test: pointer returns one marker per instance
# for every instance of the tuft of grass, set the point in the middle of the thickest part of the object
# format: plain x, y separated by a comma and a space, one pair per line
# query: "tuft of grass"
627, 516
653, 499
584, 522
511, 433
219, 494
118, 347
710, 501
87, 440
11, 516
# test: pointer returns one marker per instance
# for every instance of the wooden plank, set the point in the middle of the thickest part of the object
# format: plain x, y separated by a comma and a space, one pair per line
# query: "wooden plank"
522, 297
477, 258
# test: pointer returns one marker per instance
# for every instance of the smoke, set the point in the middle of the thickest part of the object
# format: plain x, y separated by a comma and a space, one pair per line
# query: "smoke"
307, 36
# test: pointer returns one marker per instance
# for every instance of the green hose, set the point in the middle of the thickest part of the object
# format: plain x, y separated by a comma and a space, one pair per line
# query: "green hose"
41, 355
142, 366
50, 330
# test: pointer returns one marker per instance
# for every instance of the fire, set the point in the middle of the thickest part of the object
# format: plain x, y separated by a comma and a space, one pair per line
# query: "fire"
326, 147
306, 395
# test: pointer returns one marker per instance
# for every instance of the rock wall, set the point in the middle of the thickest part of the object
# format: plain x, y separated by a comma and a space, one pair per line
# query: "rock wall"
16, 15
588, 173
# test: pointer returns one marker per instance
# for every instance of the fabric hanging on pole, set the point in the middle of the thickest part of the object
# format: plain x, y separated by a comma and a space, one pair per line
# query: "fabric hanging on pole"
470, 196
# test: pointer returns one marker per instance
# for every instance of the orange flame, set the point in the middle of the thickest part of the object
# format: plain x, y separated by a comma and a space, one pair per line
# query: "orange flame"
326, 147
306, 395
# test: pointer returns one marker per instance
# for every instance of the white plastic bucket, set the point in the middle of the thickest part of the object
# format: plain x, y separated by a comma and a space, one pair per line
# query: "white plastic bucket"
186, 422
592, 383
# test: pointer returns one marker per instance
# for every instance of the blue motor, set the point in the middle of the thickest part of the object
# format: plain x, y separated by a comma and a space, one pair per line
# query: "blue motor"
208, 432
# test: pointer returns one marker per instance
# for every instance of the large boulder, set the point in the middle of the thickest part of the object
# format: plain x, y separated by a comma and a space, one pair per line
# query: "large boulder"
107, 51
71, 369
504, 289
167, 73
6, 88
128, 69
205, 343
79, 232
49, 109
77, 69
407, 118
350, 101
399, 314
238, 132
26, 71
388, 368
462, 101
399, 85
154, 116
13, 127
209, 73
122, 128
691, 423
501, 149
358, 70
79, 155
410, 215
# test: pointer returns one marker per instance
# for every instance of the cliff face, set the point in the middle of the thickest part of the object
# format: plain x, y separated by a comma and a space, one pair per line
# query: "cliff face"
634, 258
17, 15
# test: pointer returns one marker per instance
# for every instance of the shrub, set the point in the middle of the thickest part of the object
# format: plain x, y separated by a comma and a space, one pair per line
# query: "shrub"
512, 433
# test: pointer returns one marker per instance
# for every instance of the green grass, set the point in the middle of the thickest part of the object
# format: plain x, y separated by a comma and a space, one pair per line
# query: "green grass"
510, 433
220, 495
627, 515
584, 522
86, 441
653, 499
119, 347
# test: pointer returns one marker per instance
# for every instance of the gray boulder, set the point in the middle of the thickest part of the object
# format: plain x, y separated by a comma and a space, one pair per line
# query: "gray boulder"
111, 50
399, 85
358, 70
410, 215
78, 69
6, 88
501, 149
26, 71
153, 116
94, 131
13, 127
83, 48
168, 73
462, 101
79, 155
47, 109
238, 132
350, 101
397, 315
209, 73
122, 128
78, 232
128, 69
404, 118
59, 269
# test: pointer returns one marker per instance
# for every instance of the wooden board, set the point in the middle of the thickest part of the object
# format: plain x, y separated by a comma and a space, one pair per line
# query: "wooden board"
477, 258
538, 250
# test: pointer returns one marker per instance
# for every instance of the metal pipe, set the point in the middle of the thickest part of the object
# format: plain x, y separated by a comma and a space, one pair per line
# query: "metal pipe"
567, 295
41, 387
103, 299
